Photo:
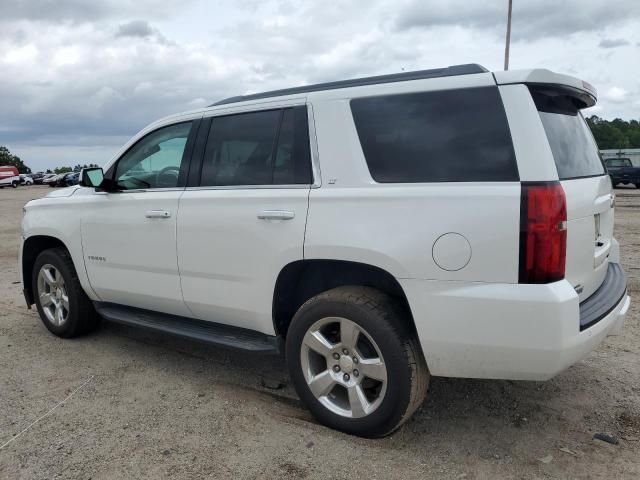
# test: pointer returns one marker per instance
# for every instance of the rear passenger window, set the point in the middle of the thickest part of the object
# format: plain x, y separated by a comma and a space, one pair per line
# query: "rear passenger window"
258, 148
444, 136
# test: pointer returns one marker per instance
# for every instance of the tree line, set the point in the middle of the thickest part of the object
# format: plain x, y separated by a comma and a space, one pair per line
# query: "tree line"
615, 134
9, 159
77, 168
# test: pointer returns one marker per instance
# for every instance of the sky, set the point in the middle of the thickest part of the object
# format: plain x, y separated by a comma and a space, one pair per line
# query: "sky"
78, 78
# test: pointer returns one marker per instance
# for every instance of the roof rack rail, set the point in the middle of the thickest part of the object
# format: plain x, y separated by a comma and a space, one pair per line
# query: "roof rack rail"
451, 71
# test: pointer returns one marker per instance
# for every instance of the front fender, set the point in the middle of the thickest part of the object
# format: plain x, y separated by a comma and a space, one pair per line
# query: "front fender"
54, 218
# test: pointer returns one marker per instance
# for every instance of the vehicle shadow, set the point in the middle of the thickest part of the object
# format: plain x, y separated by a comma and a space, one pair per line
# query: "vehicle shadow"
479, 414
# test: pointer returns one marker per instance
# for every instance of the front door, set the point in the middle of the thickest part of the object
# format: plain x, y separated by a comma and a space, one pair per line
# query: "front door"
129, 237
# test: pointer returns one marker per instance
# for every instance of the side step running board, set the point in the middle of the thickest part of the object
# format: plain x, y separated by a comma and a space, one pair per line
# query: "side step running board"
207, 332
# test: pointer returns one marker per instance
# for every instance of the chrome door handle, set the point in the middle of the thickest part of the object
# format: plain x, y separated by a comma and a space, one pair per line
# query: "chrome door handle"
157, 214
276, 215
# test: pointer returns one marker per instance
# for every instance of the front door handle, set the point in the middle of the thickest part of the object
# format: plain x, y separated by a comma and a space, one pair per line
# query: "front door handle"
276, 215
157, 214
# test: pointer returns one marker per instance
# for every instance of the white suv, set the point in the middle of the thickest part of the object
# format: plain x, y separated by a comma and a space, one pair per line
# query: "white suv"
451, 222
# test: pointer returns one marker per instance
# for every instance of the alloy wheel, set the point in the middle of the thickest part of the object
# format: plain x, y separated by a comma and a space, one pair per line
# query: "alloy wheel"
343, 367
52, 295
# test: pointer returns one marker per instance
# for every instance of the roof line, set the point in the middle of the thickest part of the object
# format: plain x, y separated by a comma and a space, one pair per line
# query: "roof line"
451, 71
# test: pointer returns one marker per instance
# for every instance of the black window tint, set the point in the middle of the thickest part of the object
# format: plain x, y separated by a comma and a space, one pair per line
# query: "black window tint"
301, 153
258, 148
444, 136
283, 167
574, 150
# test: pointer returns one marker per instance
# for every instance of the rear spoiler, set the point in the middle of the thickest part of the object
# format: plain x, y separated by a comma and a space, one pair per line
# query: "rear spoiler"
580, 90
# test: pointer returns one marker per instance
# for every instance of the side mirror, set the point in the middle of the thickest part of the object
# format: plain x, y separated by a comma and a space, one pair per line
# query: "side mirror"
91, 177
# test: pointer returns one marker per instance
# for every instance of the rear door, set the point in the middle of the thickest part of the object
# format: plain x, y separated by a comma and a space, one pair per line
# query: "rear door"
590, 201
244, 217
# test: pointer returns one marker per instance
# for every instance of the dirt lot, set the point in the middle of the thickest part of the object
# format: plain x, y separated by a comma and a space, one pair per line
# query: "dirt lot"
155, 407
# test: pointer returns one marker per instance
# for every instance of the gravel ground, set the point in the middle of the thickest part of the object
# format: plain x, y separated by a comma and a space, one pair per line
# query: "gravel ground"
149, 406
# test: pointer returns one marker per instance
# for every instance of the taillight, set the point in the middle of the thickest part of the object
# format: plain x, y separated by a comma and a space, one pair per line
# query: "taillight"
543, 232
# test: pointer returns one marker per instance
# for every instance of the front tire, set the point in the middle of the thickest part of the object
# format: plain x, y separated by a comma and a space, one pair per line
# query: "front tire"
355, 362
14, 184
63, 306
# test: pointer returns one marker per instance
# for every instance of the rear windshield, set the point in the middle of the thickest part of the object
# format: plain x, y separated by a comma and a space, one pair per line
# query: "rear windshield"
443, 136
618, 162
574, 149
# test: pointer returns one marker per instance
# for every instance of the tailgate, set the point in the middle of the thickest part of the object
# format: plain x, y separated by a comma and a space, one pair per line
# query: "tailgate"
587, 187
589, 232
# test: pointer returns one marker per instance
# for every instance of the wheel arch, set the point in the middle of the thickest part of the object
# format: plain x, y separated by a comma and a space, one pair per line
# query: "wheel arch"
31, 248
303, 279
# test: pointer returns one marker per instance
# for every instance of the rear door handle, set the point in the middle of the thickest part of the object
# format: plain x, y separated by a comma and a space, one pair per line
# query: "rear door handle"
157, 214
276, 215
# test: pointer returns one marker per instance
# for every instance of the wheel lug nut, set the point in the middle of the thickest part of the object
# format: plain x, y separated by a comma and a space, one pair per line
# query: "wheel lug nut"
336, 356
355, 359
346, 377
345, 351
356, 373
336, 368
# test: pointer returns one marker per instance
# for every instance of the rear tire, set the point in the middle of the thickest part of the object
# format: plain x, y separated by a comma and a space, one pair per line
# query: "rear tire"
63, 305
366, 383
14, 184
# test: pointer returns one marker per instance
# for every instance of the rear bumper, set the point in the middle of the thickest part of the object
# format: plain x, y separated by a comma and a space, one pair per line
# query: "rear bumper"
605, 298
510, 331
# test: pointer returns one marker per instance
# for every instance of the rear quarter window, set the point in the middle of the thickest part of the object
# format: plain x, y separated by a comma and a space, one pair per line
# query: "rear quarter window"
442, 136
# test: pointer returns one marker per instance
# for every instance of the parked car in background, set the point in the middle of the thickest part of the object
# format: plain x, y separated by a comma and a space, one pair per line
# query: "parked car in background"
9, 176
25, 179
65, 180
73, 179
450, 222
37, 177
46, 178
50, 179
622, 171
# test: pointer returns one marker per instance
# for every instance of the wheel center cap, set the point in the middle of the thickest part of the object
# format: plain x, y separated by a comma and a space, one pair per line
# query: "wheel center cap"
346, 364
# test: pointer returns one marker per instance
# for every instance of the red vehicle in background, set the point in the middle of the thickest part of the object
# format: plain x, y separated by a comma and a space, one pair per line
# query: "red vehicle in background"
9, 177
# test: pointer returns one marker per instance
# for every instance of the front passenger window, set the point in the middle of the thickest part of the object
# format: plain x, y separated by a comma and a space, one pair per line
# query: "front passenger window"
154, 162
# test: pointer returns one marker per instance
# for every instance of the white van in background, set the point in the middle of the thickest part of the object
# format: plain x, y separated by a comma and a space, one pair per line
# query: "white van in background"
9, 176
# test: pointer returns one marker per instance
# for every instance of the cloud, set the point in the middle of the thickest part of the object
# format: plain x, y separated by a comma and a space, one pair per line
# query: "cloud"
84, 10
136, 28
81, 78
613, 43
616, 95
536, 19
81, 82
141, 29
